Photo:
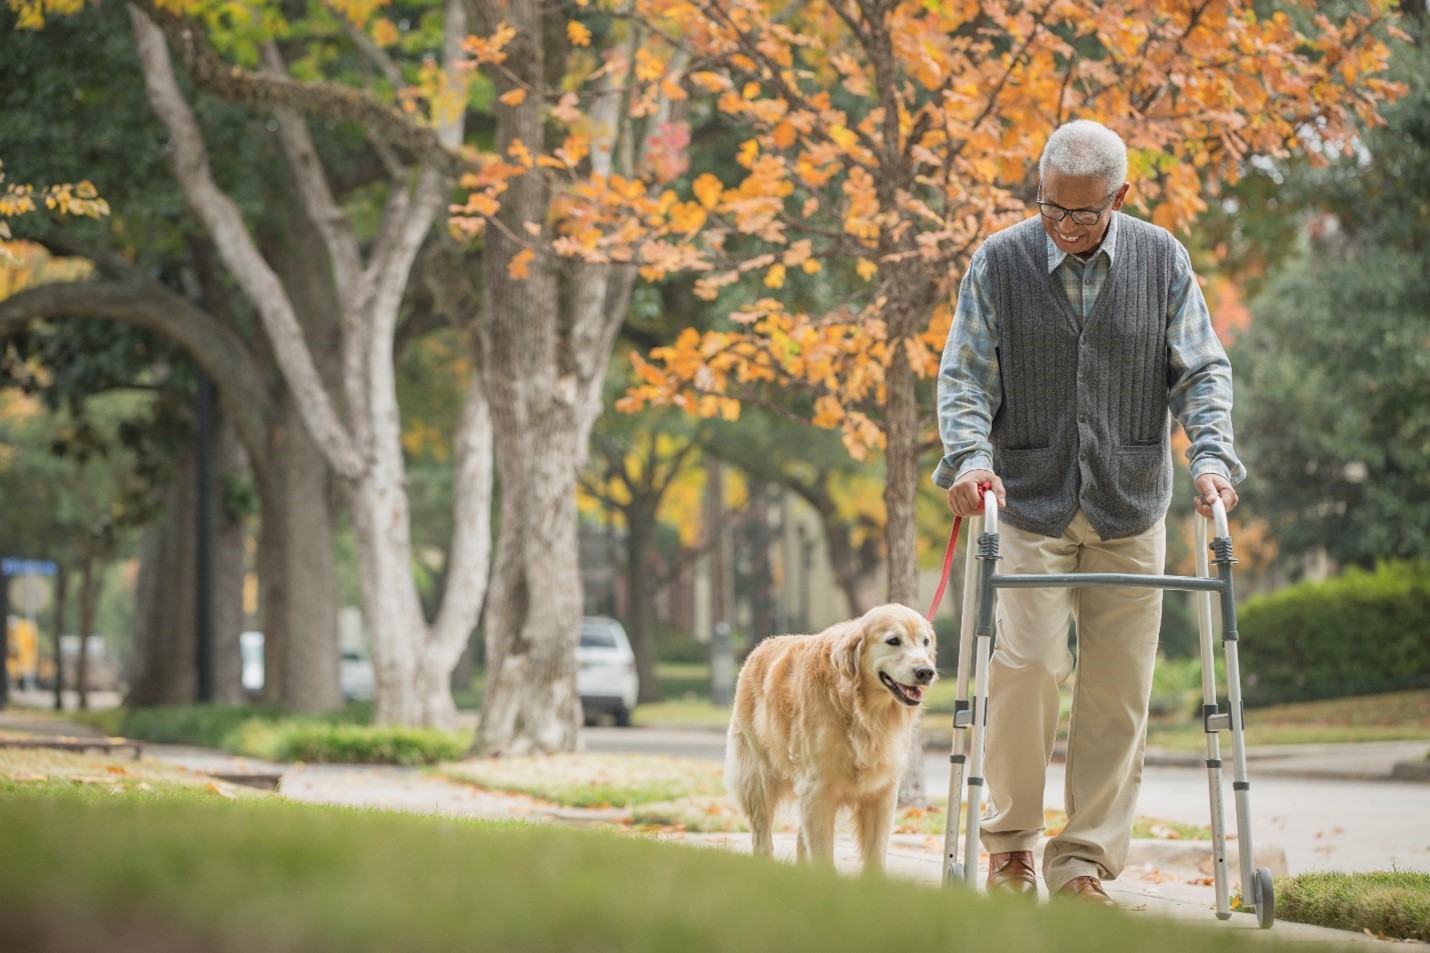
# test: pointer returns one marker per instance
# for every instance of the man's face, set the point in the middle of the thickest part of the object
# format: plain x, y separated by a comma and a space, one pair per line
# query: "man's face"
1079, 193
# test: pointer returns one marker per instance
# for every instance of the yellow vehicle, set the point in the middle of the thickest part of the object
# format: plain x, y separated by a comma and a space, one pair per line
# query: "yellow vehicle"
22, 657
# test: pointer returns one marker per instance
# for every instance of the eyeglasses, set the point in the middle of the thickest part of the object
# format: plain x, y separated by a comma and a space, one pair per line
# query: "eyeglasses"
1083, 216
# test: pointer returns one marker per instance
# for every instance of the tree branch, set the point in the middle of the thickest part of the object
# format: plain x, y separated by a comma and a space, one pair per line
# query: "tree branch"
335, 101
214, 346
224, 222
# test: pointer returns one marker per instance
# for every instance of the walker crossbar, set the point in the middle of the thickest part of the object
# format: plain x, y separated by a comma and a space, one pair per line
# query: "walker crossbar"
1107, 580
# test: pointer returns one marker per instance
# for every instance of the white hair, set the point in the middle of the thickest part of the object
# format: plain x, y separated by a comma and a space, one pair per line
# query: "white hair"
1086, 149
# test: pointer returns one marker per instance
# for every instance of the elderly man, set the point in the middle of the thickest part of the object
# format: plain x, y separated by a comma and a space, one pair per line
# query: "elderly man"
1077, 331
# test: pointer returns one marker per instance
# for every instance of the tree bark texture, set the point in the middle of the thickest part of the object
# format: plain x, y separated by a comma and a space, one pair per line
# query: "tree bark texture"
547, 341
297, 580
165, 662
640, 596
164, 668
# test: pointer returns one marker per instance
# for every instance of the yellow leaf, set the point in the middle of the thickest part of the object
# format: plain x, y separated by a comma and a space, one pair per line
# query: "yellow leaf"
513, 97
866, 269
708, 190
577, 33
775, 277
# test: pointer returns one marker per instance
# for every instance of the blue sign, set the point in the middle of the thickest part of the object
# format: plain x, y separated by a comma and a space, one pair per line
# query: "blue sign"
10, 566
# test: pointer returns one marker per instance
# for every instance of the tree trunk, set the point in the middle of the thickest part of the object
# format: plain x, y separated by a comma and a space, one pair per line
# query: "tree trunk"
534, 607
297, 580
640, 524
62, 585
164, 652
900, 492
230, 536
165, 657
87, 572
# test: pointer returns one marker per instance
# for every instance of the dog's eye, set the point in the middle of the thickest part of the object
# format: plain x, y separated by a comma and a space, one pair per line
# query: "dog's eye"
926, 641
892, 640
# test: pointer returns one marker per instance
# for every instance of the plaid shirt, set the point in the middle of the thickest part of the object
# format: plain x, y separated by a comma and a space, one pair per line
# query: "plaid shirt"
970, 388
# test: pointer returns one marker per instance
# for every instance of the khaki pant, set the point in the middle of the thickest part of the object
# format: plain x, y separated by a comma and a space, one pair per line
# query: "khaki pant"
1117, 633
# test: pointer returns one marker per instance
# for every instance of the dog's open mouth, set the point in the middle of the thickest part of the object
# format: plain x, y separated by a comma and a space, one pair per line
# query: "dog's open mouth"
908, 694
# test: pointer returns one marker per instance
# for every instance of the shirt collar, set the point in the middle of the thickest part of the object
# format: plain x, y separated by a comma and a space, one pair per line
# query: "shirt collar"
1109, 246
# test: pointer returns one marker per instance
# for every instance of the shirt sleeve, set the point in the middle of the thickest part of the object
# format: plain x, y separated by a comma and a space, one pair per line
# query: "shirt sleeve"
1199, 378
970, 389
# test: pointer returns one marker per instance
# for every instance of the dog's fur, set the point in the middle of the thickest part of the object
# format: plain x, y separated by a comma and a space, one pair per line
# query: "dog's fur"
827, 720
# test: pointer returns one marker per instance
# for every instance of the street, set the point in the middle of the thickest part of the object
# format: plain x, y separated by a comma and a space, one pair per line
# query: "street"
1320, 823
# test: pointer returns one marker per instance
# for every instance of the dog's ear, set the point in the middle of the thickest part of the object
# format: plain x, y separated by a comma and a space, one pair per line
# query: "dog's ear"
847, 651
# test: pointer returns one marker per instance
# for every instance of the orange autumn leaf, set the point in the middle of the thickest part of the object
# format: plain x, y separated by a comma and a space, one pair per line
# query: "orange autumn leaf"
520, 265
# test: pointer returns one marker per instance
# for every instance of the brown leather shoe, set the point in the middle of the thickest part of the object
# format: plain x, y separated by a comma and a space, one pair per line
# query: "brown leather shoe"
1086, 890
1010, 873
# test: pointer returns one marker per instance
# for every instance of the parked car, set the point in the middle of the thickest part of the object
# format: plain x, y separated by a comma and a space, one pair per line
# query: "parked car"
606, 671
355, 674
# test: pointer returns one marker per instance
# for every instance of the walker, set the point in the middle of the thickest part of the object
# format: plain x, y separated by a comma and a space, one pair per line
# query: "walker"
975, 649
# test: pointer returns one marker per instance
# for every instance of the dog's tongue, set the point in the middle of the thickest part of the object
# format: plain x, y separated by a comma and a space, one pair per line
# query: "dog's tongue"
915, 692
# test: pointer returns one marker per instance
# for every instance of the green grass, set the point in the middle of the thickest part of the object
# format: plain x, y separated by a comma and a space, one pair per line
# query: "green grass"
1392, 904
1396, 716
264, 874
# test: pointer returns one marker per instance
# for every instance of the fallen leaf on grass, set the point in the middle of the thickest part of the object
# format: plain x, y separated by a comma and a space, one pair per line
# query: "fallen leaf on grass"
218, 790
1164, 832
118, 769
1201, 881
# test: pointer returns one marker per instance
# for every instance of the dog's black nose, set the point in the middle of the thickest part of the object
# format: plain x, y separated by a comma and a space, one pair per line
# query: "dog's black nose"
923, 674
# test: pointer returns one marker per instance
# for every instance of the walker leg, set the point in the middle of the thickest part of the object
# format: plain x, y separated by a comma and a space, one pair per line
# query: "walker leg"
953, 872
1211, 719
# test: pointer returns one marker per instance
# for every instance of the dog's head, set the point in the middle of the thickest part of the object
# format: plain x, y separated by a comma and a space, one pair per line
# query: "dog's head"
893, 646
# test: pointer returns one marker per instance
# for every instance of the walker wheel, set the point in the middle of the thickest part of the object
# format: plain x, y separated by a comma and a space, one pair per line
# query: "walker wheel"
1265, 899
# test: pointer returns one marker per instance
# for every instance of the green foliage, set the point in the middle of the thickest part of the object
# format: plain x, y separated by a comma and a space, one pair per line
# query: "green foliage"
1392, 903
1360, 633
1333, 399
209, 726
265, 732
314, 741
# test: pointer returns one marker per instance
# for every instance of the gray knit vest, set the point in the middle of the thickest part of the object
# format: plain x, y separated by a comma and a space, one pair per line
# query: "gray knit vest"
1084, 421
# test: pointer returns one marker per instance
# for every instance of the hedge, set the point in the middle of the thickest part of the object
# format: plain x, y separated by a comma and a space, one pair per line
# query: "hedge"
1358, 634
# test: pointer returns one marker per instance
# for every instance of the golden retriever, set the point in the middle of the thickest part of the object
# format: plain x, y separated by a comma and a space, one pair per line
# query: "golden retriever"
826, 719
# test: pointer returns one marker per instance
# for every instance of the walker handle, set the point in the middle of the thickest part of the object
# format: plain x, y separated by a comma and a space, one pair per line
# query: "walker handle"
1223, 531
990, 511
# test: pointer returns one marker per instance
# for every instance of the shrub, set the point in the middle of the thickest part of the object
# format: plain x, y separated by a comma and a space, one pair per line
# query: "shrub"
1358, 634
320, 742
1388, 903
206, 725
276, 735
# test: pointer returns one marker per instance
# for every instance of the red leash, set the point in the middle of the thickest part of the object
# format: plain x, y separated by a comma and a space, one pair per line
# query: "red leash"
948, 553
